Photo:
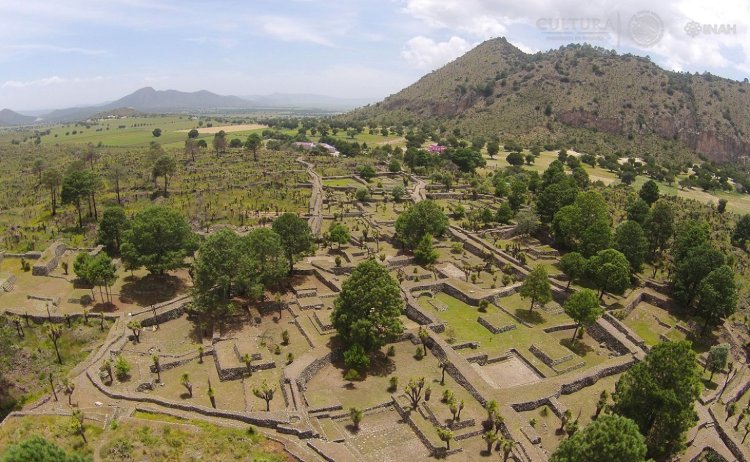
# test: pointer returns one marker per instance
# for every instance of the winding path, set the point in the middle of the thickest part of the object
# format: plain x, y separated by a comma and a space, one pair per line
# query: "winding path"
316, 197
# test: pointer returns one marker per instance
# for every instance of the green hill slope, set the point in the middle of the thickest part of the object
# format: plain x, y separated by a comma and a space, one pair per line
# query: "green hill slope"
577, 93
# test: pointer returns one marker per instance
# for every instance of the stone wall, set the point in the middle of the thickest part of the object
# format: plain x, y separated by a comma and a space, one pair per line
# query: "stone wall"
261, 419
560, 327
30, 255
313, 368
184, 359
49, 260
494, 329
546, 359
6, 285
595, 376
730, 443
441, 350
738, 393
602, 335
625, 331
435, 451
58, 318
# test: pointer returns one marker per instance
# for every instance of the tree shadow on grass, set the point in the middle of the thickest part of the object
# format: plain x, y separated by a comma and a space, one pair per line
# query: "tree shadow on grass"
533, 317
381, 365
105, 307
709, 385
578, 347
151, 289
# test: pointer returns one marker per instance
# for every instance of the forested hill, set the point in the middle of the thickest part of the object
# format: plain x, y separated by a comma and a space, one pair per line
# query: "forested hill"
496, 89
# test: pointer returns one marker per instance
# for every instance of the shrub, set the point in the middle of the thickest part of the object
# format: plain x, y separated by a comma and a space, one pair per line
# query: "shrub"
352, 375
122, 368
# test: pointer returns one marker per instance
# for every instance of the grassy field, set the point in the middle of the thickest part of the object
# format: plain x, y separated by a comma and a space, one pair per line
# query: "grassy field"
737, 203
153, 437
130, 132
36, 359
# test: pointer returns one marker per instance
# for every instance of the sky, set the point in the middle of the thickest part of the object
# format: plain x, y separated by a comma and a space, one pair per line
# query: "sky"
57, 54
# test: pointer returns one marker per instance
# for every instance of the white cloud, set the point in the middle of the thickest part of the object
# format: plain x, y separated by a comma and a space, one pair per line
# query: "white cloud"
47, 81
291, 30
425, 53
525, 48
51, 49
483, 19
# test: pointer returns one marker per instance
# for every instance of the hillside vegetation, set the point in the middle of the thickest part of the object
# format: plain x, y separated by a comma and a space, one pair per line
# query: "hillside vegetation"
581, 95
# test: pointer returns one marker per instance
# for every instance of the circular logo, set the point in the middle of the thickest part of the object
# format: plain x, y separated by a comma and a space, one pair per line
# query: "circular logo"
693, 28
646, 28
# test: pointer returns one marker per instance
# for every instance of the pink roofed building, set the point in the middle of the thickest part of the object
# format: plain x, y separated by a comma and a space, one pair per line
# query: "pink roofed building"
436, 148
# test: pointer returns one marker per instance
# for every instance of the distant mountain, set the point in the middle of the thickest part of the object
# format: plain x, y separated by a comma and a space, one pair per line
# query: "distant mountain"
8, 117
306, 101
579, 95
149, 100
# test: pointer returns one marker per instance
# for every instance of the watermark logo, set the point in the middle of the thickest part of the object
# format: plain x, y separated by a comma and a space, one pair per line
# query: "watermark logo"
694, 29
646, 28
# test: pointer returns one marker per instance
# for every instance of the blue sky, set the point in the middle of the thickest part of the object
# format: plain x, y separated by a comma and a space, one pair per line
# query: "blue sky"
63, 53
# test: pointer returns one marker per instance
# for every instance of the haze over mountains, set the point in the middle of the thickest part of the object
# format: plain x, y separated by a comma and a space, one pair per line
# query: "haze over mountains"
149, 100
8, 117
577, 92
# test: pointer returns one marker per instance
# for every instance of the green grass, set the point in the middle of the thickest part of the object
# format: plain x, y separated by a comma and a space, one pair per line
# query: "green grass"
36, 359
737, 202
129, 132
156, 438
461, 322
343, 182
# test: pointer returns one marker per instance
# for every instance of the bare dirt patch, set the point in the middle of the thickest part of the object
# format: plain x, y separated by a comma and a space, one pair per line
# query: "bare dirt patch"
226, 128
508, 373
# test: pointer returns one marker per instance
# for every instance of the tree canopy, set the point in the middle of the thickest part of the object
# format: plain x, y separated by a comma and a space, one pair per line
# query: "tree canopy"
425, 217
296, 236
227, 263
159, 239
659, 227
609, 438
366, 311
112, 226
573, 264
536, 286
610, 271
631, 241
741, 231
717, 296
584, 225
649, 192
583, 307
164, 166
76, 186
658, 394
339, 233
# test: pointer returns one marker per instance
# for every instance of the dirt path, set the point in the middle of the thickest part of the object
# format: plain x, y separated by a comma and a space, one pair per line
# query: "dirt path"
316, 197
419, 193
